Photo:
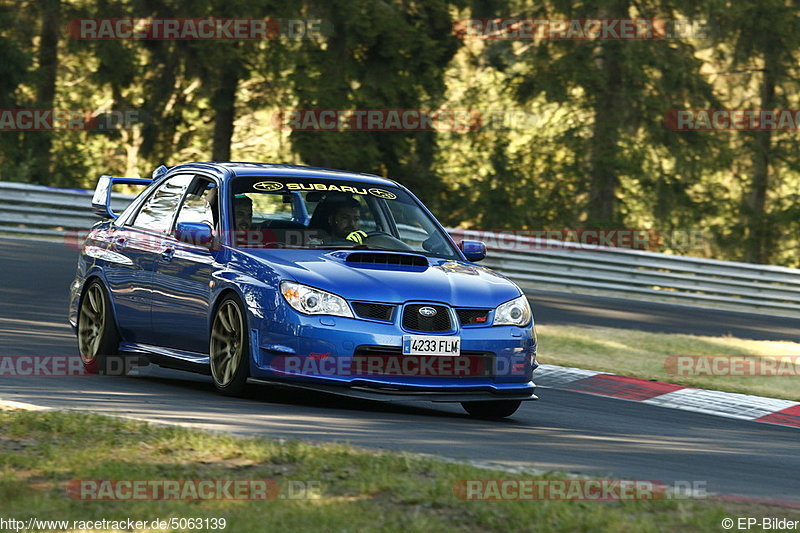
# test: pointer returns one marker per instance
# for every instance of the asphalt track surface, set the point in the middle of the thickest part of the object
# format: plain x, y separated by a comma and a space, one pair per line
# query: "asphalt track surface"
564, 431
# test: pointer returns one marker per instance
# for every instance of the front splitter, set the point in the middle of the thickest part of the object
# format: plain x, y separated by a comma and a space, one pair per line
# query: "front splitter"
398, 395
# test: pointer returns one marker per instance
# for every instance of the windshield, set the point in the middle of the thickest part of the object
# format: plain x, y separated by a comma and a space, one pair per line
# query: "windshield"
269, 212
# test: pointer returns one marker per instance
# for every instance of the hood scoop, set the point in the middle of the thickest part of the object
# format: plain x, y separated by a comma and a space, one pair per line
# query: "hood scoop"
382, 259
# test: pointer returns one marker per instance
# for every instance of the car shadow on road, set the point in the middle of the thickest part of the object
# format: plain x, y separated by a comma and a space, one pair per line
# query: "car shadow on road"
261, 393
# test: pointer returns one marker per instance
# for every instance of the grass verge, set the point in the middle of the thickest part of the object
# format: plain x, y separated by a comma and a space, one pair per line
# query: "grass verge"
358, 490
644, 355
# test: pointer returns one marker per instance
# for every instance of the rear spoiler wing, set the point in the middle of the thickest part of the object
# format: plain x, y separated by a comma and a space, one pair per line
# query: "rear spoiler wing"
101, 201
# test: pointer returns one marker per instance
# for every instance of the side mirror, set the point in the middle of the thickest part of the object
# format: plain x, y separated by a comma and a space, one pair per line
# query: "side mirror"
197, 233
473, 250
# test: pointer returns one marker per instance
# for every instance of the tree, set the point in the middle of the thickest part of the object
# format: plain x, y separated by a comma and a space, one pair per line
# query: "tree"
380, 56
625, 88
764, 38
16, 57
40, 144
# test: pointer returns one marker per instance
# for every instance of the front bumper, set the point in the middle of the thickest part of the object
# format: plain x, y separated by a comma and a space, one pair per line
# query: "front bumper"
320, 347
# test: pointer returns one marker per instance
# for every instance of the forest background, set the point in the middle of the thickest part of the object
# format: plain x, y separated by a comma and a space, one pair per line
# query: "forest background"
562, 133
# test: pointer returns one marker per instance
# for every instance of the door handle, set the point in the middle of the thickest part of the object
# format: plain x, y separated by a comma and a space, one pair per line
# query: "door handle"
167, 253
119, 243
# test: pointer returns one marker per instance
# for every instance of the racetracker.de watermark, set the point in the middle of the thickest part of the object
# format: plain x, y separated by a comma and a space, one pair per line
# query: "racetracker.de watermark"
495, 239
68, 119
198, 29
41, 366
249, 238
732, 119
442, 366
383, 120
62, 365
733, 365
585, 239
600, 490
583, 29
192, 489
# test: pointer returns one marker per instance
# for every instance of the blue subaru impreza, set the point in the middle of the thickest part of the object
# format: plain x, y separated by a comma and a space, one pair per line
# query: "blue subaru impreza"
301, 277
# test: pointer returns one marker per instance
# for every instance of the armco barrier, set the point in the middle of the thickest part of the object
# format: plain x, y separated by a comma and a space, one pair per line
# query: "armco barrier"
625, 272
37, 210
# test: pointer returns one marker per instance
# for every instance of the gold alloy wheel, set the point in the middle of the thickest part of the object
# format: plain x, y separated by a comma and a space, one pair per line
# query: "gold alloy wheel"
227, 343
91, 324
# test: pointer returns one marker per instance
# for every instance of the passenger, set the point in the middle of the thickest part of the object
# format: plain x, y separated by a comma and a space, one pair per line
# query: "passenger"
242, 212
243, 221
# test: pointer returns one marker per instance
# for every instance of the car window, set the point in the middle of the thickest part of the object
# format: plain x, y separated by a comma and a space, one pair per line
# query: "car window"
295, 212
366, 211
157, 212
200, 203
413, 226
270, 207
266, 209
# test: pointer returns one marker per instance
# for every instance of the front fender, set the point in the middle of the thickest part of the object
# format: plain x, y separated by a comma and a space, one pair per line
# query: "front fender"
259, 297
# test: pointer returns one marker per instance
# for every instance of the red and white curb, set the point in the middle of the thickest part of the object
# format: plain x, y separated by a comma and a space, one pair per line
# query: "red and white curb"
727, 404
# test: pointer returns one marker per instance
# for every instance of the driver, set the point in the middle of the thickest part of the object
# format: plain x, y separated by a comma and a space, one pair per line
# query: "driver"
344, 221
242, 212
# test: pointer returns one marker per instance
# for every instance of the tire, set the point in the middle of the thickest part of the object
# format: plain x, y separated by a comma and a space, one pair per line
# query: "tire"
492, 410
229, 349
98, 338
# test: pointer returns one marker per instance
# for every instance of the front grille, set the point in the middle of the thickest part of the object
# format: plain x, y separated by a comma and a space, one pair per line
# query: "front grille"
387, 259
366, 349
472, 317
370, 361
374, 311
414, 321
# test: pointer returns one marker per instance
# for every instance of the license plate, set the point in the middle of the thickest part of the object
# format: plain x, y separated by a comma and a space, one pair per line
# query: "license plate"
431, 345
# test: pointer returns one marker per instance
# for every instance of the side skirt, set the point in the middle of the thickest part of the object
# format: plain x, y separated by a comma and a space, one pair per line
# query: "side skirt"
170, 357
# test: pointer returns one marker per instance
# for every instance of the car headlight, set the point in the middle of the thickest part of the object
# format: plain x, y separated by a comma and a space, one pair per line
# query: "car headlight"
313, 301
516, 312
